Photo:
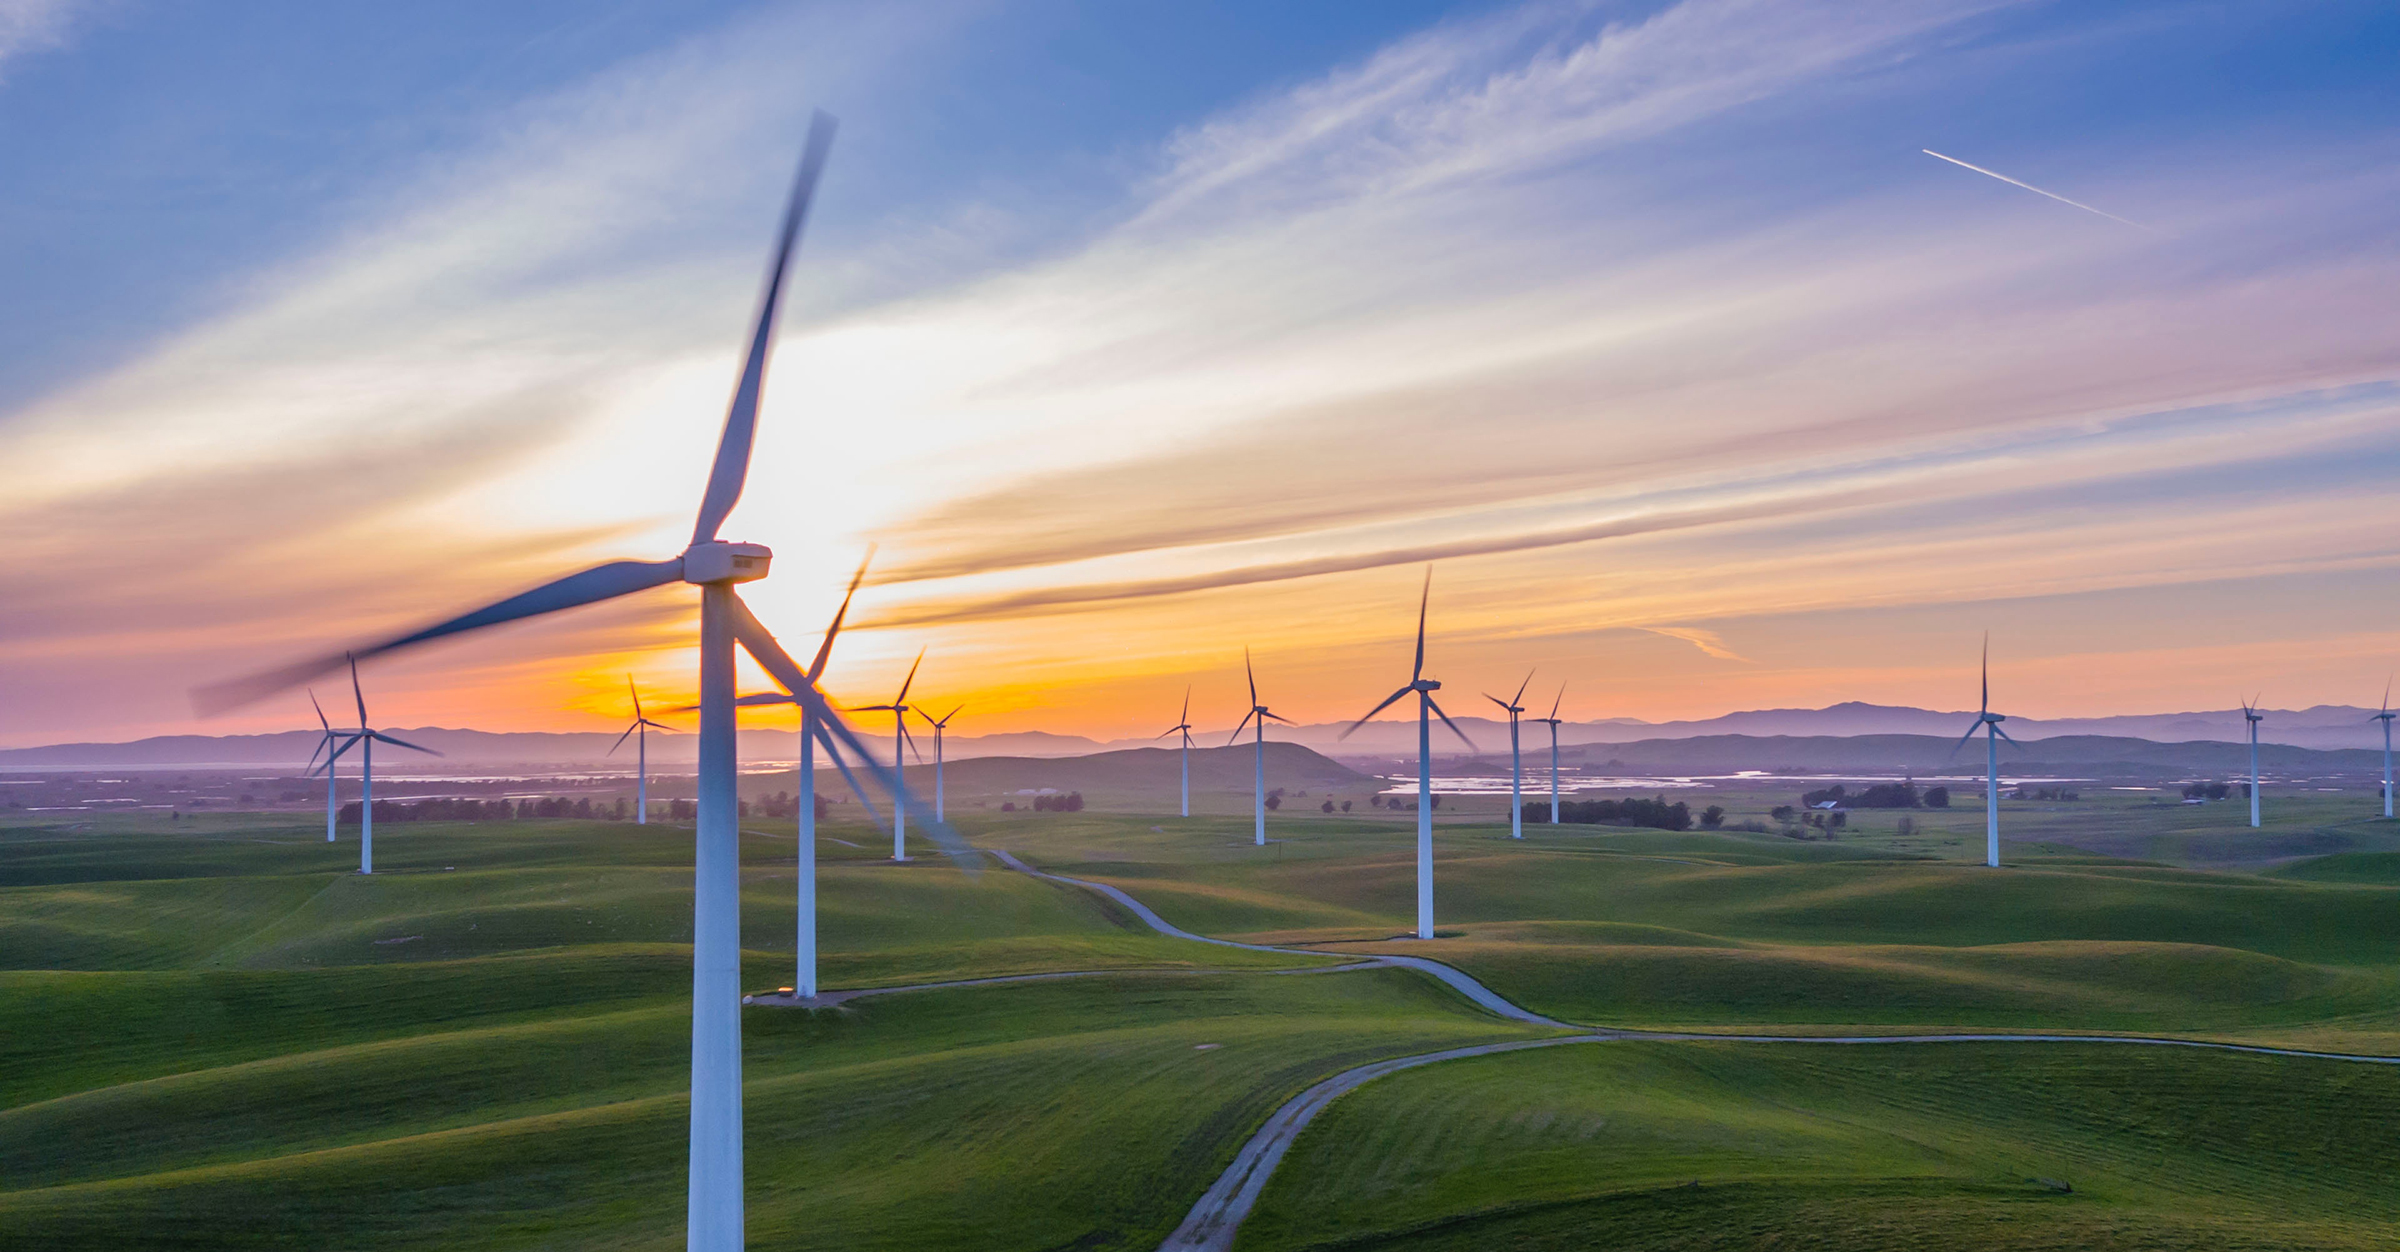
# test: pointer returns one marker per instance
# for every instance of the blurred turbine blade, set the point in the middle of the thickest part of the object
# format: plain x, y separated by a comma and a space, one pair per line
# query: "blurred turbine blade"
1250, 674
1422, 601
381, 737
312, 703
816, 667
760, 644
909, 681
732, 466
612, 748
1462, 735
1387, 703
1962, 739
1519, 698
833, 752
1239, 727
356, 691
601, 582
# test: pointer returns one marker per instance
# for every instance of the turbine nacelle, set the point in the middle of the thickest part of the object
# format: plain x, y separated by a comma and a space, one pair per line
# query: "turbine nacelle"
718, 561
1995, 717
1424, 684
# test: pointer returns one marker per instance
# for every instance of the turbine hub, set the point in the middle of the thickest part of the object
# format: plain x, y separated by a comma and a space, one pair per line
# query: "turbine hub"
717, 561
1424, 684
1995, 717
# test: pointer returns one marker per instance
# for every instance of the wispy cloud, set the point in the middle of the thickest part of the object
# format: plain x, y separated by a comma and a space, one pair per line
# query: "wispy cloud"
28, 26
1706, 640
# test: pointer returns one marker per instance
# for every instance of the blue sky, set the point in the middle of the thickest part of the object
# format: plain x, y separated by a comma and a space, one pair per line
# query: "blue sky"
1133, 333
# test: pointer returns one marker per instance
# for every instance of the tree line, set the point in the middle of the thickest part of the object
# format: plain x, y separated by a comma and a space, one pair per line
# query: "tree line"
1631, 811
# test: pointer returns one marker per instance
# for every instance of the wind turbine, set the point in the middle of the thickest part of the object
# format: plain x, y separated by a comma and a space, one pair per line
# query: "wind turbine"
366, 737
1424, 688
1183, 725
714, 1198
804, 943
1259, 713
1552, 721
898, 708
938, 728
2251, 714
336, 741
1988, 722
2386, 718
1516, 760
639, 732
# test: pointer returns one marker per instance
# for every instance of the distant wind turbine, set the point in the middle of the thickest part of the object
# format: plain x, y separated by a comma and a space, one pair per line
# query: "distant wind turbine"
1988, 722
714, 1210
1552, 721
938, 728
334, 741
1424, 688
1258, 713
2386, 718
2251, 715
1183, 726
639, 732
804, 946
1516, 760
366, 737
901, 743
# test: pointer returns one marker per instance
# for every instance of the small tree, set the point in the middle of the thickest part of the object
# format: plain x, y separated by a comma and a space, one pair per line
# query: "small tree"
1937, 797
1326, 807
1712, 817
1345, 806
1274, 800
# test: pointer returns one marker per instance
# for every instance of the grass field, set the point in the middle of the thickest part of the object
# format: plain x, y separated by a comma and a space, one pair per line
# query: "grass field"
217, 1036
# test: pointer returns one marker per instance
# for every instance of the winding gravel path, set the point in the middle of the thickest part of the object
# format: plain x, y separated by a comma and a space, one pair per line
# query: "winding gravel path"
1213, 1222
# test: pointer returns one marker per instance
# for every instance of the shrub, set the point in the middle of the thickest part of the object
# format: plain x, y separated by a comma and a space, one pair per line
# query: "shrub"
1657, 813
1712, 817
1937, 797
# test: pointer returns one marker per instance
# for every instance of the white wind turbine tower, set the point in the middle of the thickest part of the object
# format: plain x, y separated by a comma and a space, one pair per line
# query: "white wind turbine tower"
804, 943
714, 1200
336, 741
2251, 715
639, 732
2386, 718
1988, 722
1424, 688
1258, 712
1183, 726
901, 743
938, 728
1552, 721
1516, 760
366, 737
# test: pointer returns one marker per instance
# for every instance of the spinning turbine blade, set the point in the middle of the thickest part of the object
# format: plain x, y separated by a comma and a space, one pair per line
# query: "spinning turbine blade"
2004, 734
1276, 716
356, 691
833, 751
631, 690
312, 703
612, 748
1512, 700
908, 682
1387, 703
601, 582
1185, 717
1422, 601
1239, 727
732, 465
1987, 673
1250, 674
1562, 699
1462, 735
760, 644
816, 667
1962, 739
381, 737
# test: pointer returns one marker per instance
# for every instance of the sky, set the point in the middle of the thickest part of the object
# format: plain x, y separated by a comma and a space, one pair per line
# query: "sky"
1130, 336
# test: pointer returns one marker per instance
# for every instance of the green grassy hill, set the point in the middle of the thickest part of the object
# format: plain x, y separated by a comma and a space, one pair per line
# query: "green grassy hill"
216, 1036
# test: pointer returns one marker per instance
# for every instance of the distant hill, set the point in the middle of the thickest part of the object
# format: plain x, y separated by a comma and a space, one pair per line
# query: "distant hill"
1153, 770
2330, 726
2326, 727
2080, 755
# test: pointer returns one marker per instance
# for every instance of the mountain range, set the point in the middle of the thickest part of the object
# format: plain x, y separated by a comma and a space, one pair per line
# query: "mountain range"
2324, 727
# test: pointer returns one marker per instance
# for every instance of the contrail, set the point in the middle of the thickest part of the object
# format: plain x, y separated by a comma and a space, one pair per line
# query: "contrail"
2035, 190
